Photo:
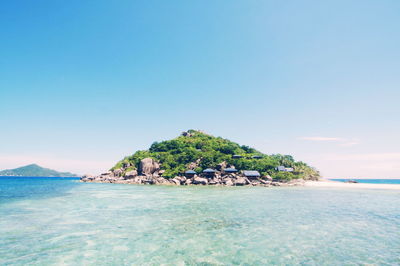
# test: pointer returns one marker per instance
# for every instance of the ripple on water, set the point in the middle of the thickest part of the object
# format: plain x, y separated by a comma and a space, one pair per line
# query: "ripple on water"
124, 224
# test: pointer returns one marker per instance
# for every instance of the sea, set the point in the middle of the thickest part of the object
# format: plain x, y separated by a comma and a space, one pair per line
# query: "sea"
61, 221
370, 181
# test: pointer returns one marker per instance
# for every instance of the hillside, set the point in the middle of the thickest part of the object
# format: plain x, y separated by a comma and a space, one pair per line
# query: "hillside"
197, 151
34, 170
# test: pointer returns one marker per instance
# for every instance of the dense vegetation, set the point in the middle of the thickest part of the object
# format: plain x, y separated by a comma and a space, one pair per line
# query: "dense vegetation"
207, 151
34, 170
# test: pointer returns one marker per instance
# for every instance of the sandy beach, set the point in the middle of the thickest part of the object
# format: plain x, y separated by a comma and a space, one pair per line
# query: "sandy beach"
337, 184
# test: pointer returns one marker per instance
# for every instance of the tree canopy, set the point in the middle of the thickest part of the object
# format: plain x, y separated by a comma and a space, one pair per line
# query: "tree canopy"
208, 151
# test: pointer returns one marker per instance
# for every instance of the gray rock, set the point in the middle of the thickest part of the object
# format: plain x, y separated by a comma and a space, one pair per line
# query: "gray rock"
176, 181
221, 166
240, 181
131, 174
200, 181
268, 177
193, 165
148, 166
87, 178
109, 173
118, 172
228, 182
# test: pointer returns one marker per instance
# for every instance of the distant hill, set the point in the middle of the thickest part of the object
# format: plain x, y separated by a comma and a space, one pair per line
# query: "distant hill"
35, 170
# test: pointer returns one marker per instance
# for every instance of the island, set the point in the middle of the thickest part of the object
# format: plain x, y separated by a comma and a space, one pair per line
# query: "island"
197, 158
34, 170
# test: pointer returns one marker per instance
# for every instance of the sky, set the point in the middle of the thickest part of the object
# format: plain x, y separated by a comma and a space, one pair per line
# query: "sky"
85, 83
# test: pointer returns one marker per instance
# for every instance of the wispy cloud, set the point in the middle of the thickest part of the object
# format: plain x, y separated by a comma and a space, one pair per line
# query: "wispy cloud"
321, 139
341, 141
349, 143
389, 156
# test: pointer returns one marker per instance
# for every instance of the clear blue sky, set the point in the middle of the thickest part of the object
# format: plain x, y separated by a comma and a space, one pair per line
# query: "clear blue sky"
84, 83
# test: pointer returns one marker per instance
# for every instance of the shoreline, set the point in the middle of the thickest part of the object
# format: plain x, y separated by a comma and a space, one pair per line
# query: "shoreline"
323, 183
326, 183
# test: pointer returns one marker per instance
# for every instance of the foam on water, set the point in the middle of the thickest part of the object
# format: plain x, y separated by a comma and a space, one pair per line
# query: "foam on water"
93, 224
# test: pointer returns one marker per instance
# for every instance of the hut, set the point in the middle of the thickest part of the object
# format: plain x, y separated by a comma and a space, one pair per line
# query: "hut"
282, 168
251, 174
256, 157
230, 170
209, 172
190, 173
237, 156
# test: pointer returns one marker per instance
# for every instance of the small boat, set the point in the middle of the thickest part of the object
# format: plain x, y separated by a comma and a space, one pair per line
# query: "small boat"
351, 181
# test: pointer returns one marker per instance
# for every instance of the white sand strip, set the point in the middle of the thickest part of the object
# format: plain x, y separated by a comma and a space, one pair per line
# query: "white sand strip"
337, 184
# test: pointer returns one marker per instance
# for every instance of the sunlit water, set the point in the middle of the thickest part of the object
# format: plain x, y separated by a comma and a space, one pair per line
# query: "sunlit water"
58, 221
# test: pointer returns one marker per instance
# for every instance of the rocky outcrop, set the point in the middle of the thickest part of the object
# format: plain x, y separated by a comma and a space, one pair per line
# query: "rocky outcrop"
149, 166
149, 174
222, 166
131, 174
193, 165
199, 180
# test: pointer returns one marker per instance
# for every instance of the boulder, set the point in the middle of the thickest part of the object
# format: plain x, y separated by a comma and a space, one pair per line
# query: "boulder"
188, 182
240, 181
131, 174
187, 134
199, 181
138, 179
175, 181
148, 166
265, 181
221, 166
87, 178
118, 172
109, 173
268, 177
228, 182
161, 181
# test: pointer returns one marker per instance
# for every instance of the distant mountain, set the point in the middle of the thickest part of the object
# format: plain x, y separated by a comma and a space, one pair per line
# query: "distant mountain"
35, 170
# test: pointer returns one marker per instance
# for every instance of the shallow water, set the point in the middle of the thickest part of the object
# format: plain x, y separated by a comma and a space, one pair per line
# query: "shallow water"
76, 223
371, 181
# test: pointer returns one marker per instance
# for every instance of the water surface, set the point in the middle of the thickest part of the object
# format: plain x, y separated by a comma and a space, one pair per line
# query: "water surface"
72, 223
371, 181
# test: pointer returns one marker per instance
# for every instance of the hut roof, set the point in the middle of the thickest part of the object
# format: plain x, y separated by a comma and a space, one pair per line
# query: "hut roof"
209, 170
281, 168
237, 156
230, 170
256, 157
190, 172
251, 173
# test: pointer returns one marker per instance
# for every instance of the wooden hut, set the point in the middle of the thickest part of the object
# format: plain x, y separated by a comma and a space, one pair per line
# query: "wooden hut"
190, 173
230, 170
282, 168
251, 174
209, 172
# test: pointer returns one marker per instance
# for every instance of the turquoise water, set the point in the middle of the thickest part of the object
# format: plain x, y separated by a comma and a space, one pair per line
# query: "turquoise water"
372, 181
61, 221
